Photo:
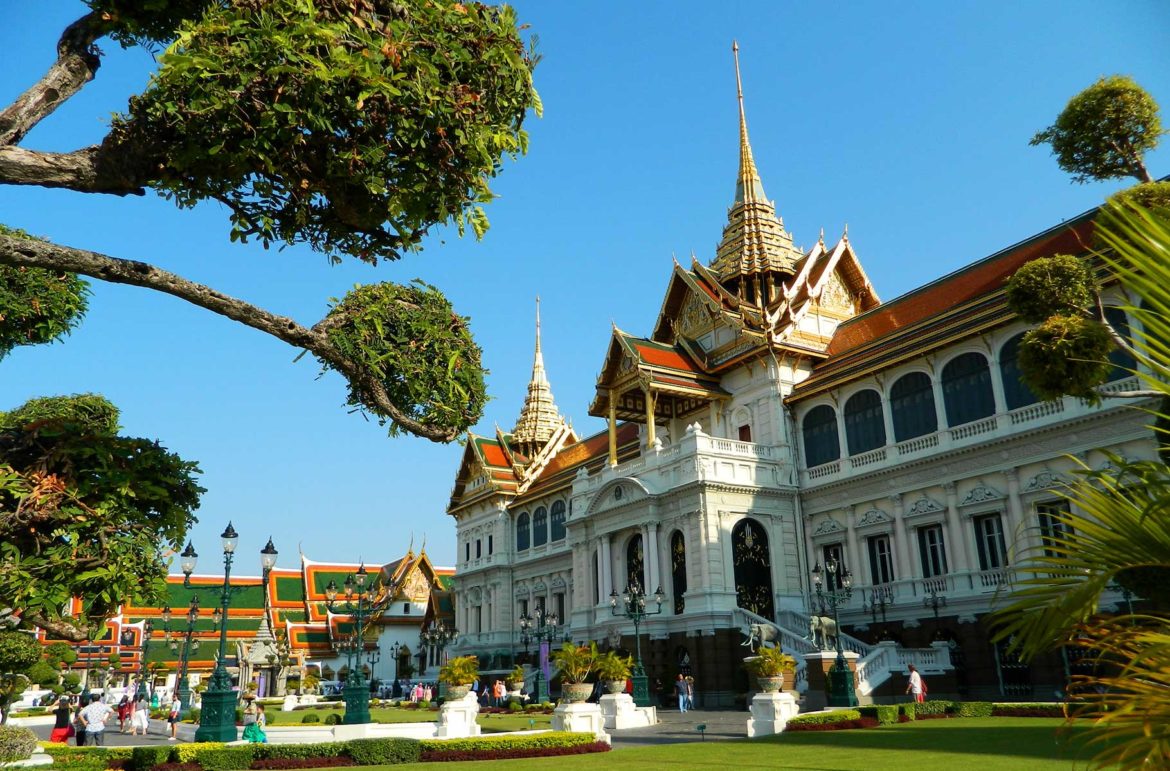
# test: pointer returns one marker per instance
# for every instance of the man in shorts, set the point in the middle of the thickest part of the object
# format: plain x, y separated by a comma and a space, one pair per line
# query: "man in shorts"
94, 717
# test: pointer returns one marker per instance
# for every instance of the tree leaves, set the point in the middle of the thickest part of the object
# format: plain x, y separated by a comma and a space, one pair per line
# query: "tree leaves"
37, 306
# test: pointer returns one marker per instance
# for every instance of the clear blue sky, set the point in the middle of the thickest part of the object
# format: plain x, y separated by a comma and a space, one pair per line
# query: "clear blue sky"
908, 121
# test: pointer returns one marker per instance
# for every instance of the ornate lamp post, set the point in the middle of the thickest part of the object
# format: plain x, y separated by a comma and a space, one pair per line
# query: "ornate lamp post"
359, 603
539, 629
438, 636
372, 658
837, 592
88, 663
934, 602
183, 648
147, 632
217, 720
878, 601
633, 607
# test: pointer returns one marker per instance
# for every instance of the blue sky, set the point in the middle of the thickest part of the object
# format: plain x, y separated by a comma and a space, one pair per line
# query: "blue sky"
908, 121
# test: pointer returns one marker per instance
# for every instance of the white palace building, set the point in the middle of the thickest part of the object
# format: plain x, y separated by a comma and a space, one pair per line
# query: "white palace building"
779, 414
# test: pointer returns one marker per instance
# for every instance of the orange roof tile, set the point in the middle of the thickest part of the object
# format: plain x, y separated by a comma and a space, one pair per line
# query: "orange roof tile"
588, 449
661, 356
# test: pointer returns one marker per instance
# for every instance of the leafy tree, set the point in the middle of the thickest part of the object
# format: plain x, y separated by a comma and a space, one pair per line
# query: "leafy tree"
353, 126
18, 652
1105, 131
43, 674
1117, 535
60, 654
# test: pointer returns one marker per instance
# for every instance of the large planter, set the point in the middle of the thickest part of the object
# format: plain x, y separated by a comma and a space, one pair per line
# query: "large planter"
514, 686
576, 693
615, 686
456, 692
770, 684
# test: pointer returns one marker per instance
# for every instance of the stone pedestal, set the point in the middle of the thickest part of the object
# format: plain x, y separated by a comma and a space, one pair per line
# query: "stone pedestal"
619, 712
580, 717
770, 712
819, 664
457, 718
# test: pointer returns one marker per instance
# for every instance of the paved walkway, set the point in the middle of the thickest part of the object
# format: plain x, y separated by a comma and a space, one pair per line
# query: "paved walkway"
113, 738
674, 727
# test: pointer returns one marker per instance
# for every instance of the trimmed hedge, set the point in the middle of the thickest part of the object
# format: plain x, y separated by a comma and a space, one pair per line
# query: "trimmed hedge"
16, 743
885, 714
973, 709
299, 751
544, 740
146, 758
907, 712
1043, 709
821, 718
934, 707
278, 764
839, 725
381, 752
442, 756
234, 758
189, 753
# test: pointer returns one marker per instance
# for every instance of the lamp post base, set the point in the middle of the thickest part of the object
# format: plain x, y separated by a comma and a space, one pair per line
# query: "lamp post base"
539, 689
641, 686
217, 718
184, 691
357, 702
841, 691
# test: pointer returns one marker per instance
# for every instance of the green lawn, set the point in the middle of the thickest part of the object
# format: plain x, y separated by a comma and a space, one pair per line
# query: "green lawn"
980, 744
489, 723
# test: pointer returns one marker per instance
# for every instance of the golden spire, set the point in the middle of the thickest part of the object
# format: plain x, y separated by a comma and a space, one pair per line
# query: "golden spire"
539, 418
748, 186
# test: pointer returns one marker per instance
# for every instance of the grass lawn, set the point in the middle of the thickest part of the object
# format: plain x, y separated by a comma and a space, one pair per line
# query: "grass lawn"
985, 744
489, 723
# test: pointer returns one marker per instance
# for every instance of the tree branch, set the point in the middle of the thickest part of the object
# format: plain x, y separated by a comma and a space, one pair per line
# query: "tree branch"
59, 628
42, 254
77, 61
88, 170
1139, 394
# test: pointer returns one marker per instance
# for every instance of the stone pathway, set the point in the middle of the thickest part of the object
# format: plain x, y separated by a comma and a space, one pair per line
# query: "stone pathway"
674, 728
113, 738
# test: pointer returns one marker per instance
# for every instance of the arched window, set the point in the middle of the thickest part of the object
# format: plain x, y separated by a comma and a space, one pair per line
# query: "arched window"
522, 532
1123, 363
635, 565
967, 394
678, 569
821, 443
539, 527
1016, 393
865, 428
558, 521
912, 407
753, 567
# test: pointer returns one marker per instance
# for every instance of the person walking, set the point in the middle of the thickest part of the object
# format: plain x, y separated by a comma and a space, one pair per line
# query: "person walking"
498, 691
140, 716
690, 689
680, 692
916, 686
123, 713
174, 716
94, 718
62, 722
78, 726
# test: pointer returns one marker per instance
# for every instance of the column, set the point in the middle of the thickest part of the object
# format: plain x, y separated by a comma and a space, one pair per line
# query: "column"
605, 569
842, 438
888, 419
612, 428
650, 547
901, 541
940, 407
853, 550
997, 385
1015, 512
649, 398
957, 540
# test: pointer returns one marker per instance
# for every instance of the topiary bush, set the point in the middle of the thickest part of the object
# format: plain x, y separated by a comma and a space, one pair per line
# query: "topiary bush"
1043, 709
231, 758
837, 720
381, 752
312, 717
885, 714
515, 706
16, 743
332, 719
907, 711
146, 758
934, 707
973, 709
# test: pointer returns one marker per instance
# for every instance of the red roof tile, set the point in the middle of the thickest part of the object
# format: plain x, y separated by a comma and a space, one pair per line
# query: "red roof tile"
665, 357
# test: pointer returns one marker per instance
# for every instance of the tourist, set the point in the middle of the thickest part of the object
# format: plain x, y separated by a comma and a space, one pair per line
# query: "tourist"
123, 713
78, 726
916, 686
498, 691
140, 716
690, 681
680, 692
254, 728
427, 693
63, 720
94, 717
173, 717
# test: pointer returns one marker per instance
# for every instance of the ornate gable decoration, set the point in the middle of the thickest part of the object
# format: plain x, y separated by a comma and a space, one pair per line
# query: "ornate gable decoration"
924, 505
1045, 480
836, 295
416, 587
695, 319
981, 493
828, 526
873, 517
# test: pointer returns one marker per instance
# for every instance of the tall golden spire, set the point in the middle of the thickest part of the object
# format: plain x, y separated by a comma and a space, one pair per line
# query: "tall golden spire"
755, 254
539, 418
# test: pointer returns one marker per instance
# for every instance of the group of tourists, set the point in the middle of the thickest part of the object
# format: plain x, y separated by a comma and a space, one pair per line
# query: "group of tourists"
85, 721
684, 691
490, 694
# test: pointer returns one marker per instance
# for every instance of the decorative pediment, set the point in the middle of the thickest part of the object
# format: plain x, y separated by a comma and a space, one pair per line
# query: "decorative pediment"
521, 590
558, 583
981, 493
1045, 480
416, 587
620, 492
827, 526
873, 517
924, 505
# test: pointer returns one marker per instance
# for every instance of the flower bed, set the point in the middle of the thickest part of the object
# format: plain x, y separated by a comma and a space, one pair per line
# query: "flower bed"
936, 709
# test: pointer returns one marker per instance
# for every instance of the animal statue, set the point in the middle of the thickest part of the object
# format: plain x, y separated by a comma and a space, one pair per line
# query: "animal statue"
827, 628
760, 635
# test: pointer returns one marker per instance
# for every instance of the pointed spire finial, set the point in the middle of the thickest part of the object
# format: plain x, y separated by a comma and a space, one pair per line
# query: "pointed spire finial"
539, 416
538, 328
748, 188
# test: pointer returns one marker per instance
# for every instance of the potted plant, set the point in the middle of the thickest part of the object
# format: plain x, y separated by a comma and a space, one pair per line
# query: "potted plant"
575, 663
515, 678
613, 670
771, 666
459, 673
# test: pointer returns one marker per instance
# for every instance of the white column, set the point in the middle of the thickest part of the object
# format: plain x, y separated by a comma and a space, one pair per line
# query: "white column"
957, 539
842, 439
654, 576
853, 550
901, 541
605, 568
1015, 510
940, 409
996, 385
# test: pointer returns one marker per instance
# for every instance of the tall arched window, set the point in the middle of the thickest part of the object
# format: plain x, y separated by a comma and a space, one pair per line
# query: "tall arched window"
821, 443
635, 564
1016, 393
558, 521
539, 527
678, 569
865, 427
912, 407
1123, 363
967, 394
522, 532
753, 567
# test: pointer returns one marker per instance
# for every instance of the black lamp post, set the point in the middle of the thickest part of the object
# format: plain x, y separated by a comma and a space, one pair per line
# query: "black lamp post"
359, 603
540, 628
438, 636
372, 658
217, 719
633, 607
147, 632
88, 650
184, 648
395, 651
837, 592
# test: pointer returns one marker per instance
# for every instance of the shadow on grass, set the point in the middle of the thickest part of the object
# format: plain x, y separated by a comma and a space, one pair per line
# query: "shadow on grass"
974, 736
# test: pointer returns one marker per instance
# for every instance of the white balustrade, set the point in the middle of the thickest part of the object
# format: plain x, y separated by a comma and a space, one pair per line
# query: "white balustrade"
824, 470
868, 458
974, 429
918, 444
1037, 410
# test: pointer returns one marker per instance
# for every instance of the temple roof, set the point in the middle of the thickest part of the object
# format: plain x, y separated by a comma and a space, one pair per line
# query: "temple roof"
539, 418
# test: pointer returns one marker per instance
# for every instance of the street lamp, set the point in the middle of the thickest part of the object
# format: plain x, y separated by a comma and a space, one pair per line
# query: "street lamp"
183, 648
438, 636
934, 602
147, 632
359, 603
633, 607
878, 601
395, 688
836, 592
217, 719
539, 629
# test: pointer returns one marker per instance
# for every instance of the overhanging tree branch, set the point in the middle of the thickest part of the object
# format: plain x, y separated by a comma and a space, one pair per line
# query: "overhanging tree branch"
88, 170
42, 254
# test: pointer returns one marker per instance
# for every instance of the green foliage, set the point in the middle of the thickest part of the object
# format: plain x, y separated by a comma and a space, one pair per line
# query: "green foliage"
461, 670
312, 717
43, 673
60, 653
515, 706
934, 707
1066, 355
973, 709
909, 710
886, 714
189, 753
516, 675
300, 751
332, 719
72, 682
1151, 195
1104, 131
575, 662
382, 752
352, 127
412, 342
823, 718
544, 739
1060, 284
611, 666
16, 743
770, 662
18, 651
37, 305
1028, 709
146, 22
233, 758
146, 758
97, 511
